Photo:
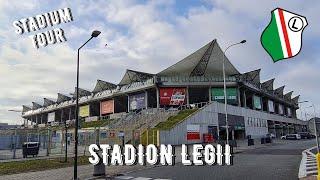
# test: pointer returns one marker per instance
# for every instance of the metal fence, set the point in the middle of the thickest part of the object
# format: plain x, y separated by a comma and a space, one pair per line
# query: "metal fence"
55, 142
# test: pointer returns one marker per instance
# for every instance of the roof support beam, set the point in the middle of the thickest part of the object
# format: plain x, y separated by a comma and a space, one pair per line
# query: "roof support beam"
201, 67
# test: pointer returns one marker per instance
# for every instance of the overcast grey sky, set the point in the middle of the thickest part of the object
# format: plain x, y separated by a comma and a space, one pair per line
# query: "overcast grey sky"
146, 36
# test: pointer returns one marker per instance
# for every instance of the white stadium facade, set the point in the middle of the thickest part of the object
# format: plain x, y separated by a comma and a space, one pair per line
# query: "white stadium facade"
254, 108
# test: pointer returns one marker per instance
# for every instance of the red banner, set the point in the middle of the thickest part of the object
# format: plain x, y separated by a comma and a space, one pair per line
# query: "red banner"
193, 136
193, 132
107, 107
172, 96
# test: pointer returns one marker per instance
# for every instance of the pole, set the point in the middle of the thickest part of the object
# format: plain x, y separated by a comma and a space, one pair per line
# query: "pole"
75, 165
225, 96
225, 88
315, 128
15, 143
66, 141
75, 168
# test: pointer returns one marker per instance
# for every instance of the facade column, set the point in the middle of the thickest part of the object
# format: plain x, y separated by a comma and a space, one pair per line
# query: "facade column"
128, 103
244, 99
239, 96
37, 120
210, 94
61, 118
146, 99
261, 100
158, 97
41, 118
252, 101
100, 109
187, 95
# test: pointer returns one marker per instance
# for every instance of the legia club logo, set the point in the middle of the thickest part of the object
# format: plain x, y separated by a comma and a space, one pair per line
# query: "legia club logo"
282, 38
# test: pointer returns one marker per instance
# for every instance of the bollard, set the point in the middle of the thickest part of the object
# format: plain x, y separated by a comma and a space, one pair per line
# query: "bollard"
318, 164
99, 169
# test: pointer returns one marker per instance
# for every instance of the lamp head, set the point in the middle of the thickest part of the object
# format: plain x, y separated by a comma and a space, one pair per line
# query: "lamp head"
243, 41
95, 33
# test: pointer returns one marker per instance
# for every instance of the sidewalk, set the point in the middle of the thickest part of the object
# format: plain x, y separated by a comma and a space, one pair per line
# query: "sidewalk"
85, 172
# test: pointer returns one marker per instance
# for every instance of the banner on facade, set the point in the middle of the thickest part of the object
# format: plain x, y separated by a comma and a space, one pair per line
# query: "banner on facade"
137, 101
172, 96
51, 117
270, 106
84, 111
217, 94
257, 102
107, 107
289, 111
193, 132
280, 109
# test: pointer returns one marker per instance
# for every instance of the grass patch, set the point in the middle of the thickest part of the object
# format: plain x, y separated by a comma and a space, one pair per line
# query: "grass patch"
152, 137
15, 167
173, 120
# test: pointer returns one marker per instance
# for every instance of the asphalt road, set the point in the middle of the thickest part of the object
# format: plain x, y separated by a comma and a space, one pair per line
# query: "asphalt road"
280, 161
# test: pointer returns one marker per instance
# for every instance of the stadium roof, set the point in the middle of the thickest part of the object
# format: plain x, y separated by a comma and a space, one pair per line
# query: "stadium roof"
47, 102
268, 85
62, 98
296, 99
288, 95
35, 105
206, 60
82, 92
25, 108
103, 85
279, 91
252, 76
134, 76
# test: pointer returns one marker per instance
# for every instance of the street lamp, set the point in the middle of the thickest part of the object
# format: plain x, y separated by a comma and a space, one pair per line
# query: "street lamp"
224, 86
75, 168
301, 102
15, 133
17, 111
315, 125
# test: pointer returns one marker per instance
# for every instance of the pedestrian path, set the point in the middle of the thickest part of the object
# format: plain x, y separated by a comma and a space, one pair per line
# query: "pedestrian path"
308, 166
311, 165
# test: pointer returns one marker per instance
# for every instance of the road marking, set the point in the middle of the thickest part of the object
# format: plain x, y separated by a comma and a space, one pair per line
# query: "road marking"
142, 178
124, 177
138, 178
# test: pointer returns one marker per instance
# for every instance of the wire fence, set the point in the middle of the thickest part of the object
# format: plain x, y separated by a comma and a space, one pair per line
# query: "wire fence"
57, 142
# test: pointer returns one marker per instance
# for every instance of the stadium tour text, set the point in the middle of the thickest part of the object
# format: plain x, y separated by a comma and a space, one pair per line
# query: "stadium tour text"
164, 155
42, 21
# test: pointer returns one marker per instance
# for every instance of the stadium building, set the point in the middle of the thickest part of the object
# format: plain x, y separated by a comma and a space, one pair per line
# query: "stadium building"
254, 108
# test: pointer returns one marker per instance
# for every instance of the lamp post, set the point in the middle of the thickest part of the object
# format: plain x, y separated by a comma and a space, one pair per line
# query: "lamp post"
301, 107
224, 86
315, 126
15, 134
75, 168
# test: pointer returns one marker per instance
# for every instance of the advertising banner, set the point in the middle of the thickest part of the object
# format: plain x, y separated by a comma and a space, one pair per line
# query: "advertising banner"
257, 102
280, 109
289, 111
270, 106
51, 117
137, 101
217, 94
193, 132
84, 111
107, 107
172, 96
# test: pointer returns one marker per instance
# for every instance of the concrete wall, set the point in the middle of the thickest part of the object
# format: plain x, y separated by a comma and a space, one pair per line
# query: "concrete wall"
208, 116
